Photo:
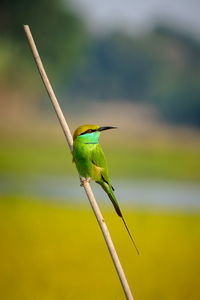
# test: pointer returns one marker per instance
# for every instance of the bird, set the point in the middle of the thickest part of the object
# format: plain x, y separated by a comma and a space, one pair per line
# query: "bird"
91, 162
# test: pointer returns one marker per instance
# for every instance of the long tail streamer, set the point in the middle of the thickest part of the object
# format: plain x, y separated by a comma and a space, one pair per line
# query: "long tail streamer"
130, 235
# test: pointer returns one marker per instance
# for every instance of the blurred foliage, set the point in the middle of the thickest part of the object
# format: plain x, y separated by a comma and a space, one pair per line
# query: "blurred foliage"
161, 67
58, 33
53, 251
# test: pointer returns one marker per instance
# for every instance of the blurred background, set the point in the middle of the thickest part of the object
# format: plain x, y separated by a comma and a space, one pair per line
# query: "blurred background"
130, 64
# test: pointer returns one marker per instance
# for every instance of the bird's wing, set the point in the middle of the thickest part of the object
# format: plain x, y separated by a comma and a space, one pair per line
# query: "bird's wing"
98, 159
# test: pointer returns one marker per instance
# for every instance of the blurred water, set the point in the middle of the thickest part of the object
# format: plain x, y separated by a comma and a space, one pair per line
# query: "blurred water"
136, 192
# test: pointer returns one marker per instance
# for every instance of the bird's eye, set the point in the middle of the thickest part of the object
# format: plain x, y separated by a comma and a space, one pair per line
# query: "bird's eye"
88, 131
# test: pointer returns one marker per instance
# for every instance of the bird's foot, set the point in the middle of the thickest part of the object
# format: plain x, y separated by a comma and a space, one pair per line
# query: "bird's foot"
83, 180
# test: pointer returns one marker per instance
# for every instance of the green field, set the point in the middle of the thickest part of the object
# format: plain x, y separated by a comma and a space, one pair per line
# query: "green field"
24, 155
54, 251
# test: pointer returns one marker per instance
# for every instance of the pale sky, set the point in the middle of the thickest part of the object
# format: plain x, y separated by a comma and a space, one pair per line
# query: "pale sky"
105, 15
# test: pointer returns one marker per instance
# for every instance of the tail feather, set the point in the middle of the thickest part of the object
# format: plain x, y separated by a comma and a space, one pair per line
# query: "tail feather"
113, 199
131, 236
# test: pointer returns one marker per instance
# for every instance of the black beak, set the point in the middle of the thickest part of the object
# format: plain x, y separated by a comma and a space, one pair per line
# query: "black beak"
106, 128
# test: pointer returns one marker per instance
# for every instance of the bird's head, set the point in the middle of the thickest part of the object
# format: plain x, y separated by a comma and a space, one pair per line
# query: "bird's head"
89, 133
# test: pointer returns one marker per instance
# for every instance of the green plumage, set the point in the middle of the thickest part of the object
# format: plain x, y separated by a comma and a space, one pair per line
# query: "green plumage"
91, 162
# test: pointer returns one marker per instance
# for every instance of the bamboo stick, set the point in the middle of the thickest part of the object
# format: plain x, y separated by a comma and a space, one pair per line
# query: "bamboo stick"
86, 185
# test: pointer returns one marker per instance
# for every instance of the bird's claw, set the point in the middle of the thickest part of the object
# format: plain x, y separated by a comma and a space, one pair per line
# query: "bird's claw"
83, 180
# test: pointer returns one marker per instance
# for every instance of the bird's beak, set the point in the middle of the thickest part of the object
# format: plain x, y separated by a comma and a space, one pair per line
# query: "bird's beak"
106, 128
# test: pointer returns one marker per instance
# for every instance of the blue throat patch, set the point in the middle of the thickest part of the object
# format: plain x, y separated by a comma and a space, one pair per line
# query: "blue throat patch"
90, 138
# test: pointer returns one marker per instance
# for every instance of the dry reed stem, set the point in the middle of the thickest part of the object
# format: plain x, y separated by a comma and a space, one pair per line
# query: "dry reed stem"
86, 185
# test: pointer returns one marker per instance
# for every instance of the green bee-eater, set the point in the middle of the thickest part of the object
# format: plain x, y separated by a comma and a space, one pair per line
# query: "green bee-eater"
91, 162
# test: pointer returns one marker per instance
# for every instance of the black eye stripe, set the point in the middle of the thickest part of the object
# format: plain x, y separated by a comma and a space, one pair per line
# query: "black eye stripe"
92, 130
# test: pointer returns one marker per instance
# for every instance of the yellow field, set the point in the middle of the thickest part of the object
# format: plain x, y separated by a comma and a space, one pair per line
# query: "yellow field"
56, 251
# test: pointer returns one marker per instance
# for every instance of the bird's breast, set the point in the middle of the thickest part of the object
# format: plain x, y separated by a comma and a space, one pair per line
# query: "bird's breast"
83, 152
